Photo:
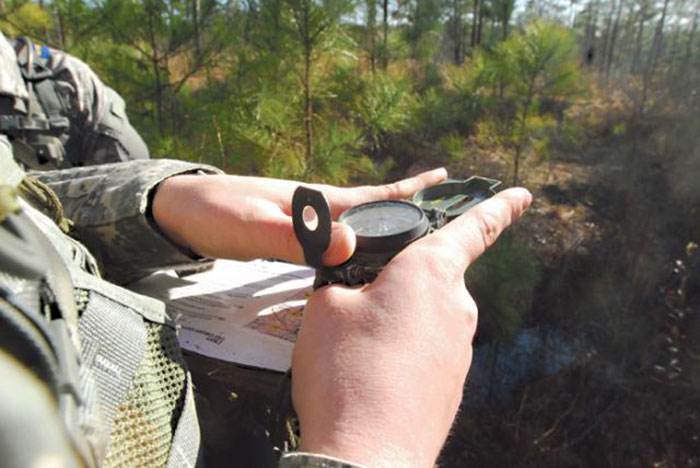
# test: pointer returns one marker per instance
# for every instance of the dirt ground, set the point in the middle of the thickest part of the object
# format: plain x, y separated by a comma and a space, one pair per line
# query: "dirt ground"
611, 223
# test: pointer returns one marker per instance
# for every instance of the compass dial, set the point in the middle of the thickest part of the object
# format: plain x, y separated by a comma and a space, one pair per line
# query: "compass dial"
386, 225
383, 219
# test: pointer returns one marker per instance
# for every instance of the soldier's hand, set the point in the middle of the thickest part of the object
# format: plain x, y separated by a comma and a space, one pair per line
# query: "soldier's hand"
250, 217
378, 371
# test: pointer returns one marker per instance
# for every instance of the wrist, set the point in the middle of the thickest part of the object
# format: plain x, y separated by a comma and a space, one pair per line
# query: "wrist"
166, 210
360, 452
361, 445
314, 460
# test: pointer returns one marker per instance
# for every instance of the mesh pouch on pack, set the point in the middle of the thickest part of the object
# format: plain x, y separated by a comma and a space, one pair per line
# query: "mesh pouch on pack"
145, 422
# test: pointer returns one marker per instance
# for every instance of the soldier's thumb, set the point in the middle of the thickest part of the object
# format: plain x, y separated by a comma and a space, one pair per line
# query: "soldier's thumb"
342, 245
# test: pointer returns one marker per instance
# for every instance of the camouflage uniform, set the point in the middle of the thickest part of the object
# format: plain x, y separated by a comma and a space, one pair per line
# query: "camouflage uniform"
57, 112
109, 209
120, 393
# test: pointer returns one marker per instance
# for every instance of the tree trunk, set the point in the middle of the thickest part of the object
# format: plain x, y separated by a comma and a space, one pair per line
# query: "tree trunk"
276, 41
676, 42
60, 30
385, 33
371, 26
589, 44
521, 137
248, 24
674, 52
603, 64
594, 30
613, 39
196, 8
308, 108
475, 23
653, 55
640, 35
572, 14
175, 120
457, 31
480, 26
689, 44
505, 11
155, 61
220, 141
627, 36
516, 164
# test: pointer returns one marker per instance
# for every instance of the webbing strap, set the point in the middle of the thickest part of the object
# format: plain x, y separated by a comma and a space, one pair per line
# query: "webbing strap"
59, 280
42, 88
18, 123
48, 97
185, 446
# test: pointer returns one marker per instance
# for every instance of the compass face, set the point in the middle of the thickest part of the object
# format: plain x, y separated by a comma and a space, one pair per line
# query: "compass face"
385, 226
382, 219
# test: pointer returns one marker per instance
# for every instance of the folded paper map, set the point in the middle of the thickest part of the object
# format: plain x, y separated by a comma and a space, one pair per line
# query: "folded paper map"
244, 312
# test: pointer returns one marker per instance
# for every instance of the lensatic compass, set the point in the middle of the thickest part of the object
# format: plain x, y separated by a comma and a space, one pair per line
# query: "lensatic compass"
382, 228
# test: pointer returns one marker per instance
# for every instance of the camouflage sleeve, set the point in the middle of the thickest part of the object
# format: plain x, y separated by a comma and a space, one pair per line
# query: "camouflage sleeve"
110, 209
313, 460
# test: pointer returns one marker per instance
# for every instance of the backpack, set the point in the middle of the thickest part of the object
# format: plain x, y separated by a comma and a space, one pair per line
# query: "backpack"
96, 374
46, 410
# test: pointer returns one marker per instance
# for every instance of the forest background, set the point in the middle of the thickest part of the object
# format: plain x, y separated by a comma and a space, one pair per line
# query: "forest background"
592, 104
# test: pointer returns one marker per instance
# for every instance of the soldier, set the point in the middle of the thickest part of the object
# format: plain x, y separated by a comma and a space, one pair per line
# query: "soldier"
57, 112
93, 374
